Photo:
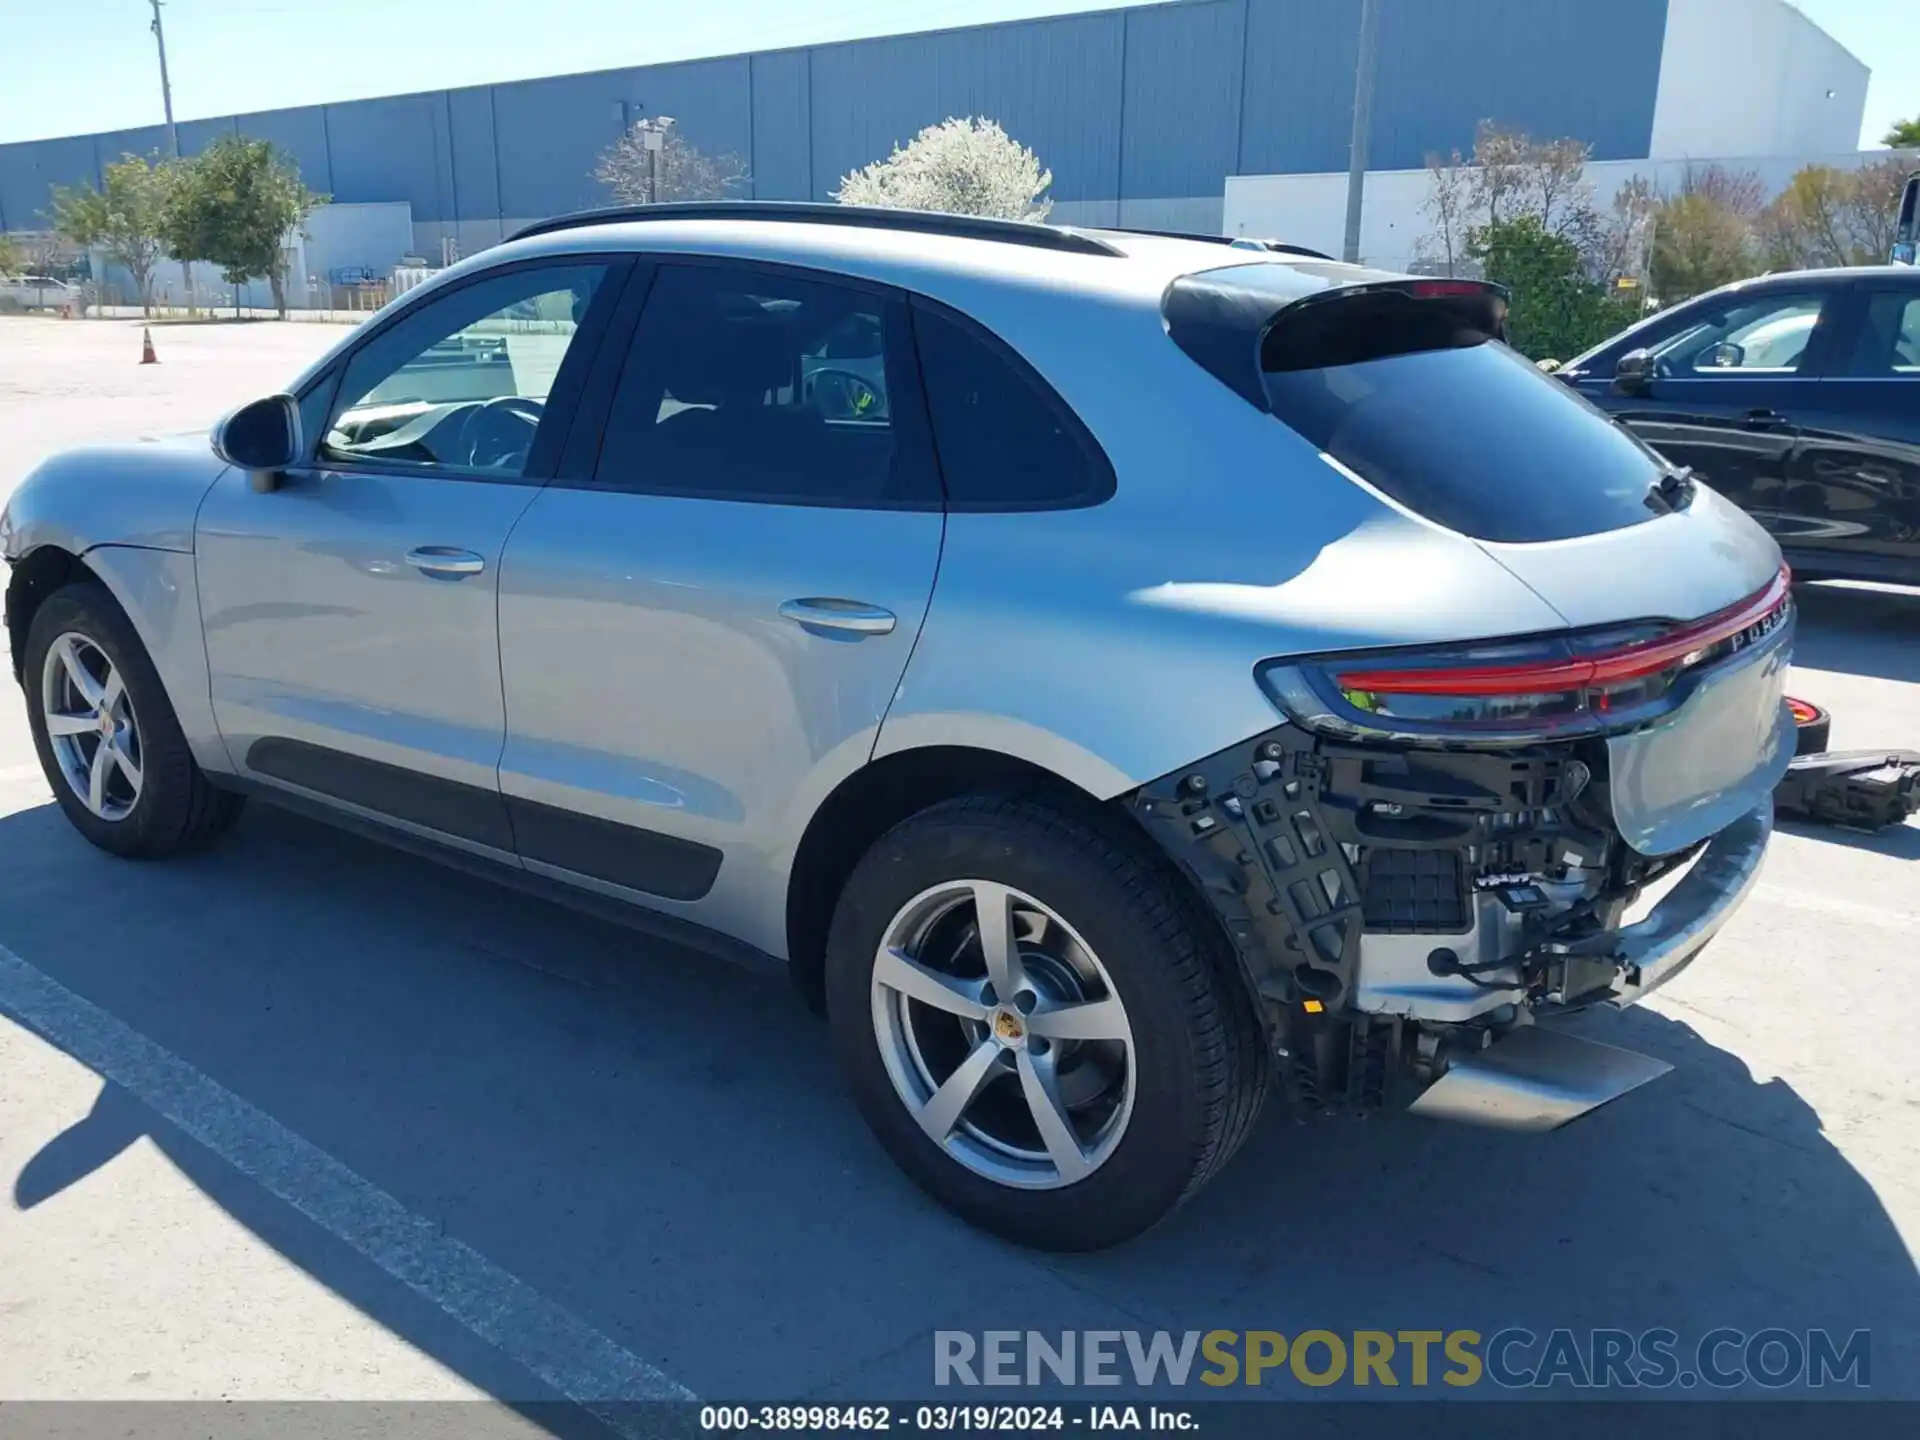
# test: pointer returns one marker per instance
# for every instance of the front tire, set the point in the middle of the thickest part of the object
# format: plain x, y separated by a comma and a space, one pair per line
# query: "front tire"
107, 737
1071, 1078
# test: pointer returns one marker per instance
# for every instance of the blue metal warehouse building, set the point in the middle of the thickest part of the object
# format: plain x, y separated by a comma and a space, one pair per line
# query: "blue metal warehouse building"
1141, 113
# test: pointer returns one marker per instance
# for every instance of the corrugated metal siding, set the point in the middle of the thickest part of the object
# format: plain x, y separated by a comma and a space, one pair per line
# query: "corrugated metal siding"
782, 124
476, 163
146, 142
1182, 98
1550, 69
29, 172
1154, 104
388, 149
549, 133
1055, 85
302, 134
1299, 110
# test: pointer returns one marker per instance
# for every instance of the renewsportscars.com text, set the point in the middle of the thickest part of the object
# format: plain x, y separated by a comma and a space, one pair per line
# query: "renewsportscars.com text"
1512, 1358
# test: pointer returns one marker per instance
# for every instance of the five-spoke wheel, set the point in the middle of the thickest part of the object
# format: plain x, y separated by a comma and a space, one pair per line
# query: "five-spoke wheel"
1003, 1034
90, 724
107, 735
1039, 1021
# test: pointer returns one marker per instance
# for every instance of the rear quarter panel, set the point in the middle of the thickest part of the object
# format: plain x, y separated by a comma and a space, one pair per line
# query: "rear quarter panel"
1115, 643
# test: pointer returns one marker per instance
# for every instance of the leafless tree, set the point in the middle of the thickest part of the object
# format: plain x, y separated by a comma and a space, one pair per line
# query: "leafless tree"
678, 170
1554, 182
1449, 196
1742, 192
1500, 160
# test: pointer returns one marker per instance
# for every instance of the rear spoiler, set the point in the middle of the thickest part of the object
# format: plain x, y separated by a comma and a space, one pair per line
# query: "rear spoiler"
1235, 332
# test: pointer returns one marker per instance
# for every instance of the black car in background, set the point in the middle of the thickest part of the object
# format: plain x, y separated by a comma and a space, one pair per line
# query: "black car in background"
1797, 397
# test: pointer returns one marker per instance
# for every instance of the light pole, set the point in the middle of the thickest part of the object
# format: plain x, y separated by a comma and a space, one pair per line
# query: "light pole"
173, 135
1362, 121
653, 139
166, 87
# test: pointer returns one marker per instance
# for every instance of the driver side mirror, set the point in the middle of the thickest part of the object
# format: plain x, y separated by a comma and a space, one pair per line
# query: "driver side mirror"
1633, 375
262, 438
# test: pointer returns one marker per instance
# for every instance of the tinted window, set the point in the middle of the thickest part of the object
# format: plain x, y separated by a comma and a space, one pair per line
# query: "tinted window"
1889, 339
1475, 438
1005, 441
462, 382
754, 385
1765, 333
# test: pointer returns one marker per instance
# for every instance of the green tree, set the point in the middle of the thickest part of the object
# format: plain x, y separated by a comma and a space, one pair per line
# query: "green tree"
124, 217
233, 205
11, 260
1903, 134
1699, 244
1557, 310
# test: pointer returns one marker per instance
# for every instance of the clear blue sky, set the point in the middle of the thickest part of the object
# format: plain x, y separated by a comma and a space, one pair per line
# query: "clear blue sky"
92, 67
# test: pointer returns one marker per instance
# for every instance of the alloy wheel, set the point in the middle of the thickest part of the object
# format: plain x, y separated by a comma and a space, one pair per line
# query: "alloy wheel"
1003, 1034
91, 727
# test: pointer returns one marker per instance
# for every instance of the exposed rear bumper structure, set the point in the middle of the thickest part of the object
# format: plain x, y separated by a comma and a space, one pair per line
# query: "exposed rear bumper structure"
1404, 918
1654, 950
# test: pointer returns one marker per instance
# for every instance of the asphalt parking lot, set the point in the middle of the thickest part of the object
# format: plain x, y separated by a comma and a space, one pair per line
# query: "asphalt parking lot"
378, 1130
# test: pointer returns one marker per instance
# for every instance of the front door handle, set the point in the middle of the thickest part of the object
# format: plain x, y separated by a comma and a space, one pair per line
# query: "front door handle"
826, 613
445, 561
1764, 420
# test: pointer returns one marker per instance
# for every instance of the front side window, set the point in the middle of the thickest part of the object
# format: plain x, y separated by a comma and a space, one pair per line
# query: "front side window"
461, 384
1766, 334
748, 384
1889, 339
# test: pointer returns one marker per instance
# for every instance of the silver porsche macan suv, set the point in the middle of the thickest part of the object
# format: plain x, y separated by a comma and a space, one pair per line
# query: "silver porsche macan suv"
1120, 675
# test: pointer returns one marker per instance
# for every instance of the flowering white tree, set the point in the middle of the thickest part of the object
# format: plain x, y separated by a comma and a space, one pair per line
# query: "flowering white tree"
960, 167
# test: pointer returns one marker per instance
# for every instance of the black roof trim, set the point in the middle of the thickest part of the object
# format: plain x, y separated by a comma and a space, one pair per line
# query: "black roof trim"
1238, 242
926, 222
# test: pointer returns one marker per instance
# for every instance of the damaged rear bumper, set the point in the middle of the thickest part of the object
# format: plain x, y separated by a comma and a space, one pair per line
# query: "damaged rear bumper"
1400, 912
1654, 950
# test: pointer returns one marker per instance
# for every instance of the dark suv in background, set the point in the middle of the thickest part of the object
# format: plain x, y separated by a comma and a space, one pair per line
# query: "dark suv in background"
1797, 397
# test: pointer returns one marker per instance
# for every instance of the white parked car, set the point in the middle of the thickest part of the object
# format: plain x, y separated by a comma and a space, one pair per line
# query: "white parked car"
38, 292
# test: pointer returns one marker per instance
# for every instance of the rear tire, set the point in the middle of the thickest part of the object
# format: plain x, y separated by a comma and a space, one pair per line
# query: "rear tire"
152, 799
1091, 919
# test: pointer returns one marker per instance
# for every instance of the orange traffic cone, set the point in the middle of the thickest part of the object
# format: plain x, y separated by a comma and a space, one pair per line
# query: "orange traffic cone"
147, 357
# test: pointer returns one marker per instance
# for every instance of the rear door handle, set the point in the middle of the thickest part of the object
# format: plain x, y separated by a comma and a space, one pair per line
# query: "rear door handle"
1764, 420
446, 561
826, 613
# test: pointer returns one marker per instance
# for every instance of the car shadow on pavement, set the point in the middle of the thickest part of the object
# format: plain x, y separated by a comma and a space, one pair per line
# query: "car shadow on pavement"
1902, 842
657, 1142
1867, 632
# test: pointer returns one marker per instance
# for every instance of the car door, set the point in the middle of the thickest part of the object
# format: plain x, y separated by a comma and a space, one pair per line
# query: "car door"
1726, 389
1852, 504
350, 612
704, 619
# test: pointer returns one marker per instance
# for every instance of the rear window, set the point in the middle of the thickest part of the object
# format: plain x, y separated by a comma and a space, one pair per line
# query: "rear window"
1467, 434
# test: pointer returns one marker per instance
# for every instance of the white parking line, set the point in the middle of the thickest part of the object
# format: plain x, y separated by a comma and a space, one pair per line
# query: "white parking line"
14, 773
549, 1341
1901, 920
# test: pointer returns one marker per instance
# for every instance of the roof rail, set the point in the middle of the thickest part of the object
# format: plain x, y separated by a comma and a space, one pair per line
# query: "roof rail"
1242, 242
926, 222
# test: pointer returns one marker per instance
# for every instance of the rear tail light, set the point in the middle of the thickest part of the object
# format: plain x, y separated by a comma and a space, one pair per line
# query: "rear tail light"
1526, 689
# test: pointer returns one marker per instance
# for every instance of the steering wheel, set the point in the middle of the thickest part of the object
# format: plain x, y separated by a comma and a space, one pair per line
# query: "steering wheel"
494, 445
843, 395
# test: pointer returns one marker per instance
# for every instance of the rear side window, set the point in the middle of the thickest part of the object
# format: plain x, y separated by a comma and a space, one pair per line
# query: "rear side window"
752, 384
1473, 437
1889, 340
1005, 440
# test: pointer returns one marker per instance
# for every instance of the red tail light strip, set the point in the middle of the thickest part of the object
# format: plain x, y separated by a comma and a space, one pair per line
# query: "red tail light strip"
1629, 662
